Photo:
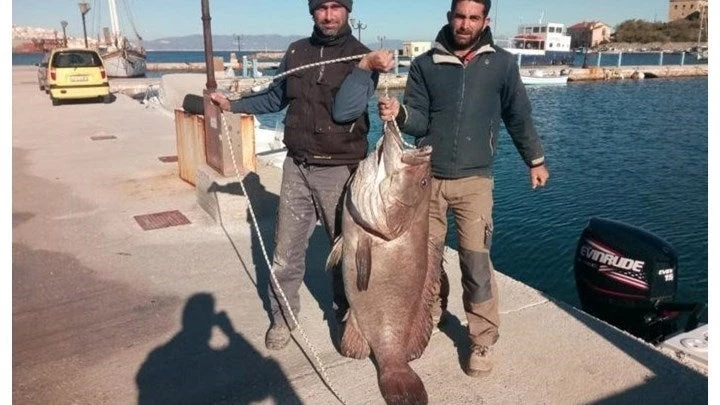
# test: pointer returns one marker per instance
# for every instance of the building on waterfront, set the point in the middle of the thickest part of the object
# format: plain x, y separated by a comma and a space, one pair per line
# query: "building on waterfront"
413, 49
690, 9
589, 34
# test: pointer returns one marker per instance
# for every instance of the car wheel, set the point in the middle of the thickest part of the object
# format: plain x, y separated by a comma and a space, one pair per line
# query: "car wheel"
42, 88
107, 99
55, 101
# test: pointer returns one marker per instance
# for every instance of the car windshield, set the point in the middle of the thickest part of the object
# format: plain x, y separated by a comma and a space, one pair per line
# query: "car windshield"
76, 59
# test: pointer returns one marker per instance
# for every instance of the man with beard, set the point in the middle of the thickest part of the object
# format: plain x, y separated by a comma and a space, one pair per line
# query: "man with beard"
456, 95
326, 128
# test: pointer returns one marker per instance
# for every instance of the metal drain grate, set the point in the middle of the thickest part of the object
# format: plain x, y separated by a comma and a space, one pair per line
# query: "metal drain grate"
103, 137
161, 220
168, 159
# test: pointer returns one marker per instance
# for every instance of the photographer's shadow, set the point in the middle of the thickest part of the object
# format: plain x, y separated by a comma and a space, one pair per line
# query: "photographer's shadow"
187, 370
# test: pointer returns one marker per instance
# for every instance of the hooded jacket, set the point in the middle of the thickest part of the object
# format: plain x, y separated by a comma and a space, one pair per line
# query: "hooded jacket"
456, 106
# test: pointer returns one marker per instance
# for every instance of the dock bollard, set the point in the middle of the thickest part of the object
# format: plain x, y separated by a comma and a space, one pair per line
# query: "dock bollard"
245, 66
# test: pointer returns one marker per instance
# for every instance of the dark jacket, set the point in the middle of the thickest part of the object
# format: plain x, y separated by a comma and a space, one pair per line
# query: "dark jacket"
327, 120
456, 107
311, 134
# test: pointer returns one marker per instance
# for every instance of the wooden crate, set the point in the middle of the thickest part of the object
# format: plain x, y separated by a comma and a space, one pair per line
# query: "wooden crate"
190, 137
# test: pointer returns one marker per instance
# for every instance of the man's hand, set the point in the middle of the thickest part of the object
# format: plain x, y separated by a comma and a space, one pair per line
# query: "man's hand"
388, 108
220, 100
380, 60
538, 176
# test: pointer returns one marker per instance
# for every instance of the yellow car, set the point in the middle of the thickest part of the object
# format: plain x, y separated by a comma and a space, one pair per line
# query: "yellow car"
77, 74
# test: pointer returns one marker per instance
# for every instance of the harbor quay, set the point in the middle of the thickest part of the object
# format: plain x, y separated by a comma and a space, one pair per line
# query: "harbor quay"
137, 86
126, 289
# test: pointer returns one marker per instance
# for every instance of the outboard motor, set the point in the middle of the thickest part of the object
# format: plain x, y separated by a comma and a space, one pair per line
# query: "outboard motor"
628, 278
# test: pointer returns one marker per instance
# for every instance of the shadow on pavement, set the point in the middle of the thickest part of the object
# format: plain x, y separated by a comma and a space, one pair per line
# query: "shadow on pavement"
187, 369
265, 206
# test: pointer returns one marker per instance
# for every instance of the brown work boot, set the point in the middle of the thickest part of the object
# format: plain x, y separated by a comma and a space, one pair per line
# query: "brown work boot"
277, 336
479, 363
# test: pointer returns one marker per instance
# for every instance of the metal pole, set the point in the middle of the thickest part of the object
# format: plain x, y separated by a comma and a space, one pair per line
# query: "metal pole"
620, 59
84, 31
599, 57
64, 24
211, 84
661, 57
84, 8
245, 66
682, 59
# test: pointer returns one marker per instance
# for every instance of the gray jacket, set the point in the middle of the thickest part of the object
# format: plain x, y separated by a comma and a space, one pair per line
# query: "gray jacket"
456, 108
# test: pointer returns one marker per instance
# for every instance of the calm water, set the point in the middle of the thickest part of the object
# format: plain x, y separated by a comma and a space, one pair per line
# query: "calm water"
633, 151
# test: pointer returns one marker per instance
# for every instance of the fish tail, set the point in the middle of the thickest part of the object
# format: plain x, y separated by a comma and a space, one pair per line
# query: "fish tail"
400, 385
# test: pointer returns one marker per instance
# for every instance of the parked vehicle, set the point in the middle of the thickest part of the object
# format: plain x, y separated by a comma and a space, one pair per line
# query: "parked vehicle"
77, 74
42, 73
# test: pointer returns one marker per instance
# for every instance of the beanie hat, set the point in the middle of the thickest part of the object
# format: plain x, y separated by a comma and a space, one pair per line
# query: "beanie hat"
313, 4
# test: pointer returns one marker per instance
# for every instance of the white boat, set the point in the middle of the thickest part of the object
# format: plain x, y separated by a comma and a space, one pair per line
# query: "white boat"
122, 58
539, 77
539, 38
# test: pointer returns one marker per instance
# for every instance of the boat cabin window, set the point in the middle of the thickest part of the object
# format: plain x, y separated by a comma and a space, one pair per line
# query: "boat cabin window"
551, 29
536, 29
544, 29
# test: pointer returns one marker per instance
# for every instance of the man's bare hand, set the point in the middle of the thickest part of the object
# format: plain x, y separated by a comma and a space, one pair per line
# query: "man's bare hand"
388, 108
538, 176
380, 60
220, 100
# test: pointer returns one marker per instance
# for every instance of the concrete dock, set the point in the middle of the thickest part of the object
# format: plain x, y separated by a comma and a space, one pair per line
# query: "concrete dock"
105, 312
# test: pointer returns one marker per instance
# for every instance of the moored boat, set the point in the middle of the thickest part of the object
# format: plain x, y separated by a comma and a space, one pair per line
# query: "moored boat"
122, 58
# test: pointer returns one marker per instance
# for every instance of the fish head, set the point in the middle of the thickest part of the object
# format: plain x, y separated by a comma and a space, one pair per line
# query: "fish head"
390, 186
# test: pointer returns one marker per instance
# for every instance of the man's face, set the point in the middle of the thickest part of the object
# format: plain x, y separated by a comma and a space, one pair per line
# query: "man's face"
468, 21
330, 18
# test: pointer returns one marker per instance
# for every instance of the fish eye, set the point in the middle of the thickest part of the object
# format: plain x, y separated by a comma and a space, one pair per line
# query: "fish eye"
424, 182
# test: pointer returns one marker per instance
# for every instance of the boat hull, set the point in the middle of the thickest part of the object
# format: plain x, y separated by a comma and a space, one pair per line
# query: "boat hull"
544, 80
125, 63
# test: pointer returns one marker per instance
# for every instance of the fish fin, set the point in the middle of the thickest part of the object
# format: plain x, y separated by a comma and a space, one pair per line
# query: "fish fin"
354, 344
335, 254
422, 326
363, 262
401, 385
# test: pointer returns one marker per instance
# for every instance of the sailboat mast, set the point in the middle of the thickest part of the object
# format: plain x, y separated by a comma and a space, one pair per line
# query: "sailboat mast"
114, 18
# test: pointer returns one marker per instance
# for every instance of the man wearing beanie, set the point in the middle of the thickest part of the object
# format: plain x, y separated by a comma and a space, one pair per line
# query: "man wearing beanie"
326, 128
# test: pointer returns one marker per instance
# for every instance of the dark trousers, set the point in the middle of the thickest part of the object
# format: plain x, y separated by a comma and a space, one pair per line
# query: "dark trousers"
307, 194
471, 201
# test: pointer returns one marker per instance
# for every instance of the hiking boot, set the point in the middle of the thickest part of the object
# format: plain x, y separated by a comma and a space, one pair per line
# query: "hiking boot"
277, 336
479, 363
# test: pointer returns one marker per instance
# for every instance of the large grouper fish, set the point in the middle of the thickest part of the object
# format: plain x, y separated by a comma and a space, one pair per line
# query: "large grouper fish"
385, 253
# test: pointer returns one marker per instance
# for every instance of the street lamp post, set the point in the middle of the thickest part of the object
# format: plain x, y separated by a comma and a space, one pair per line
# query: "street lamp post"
381, 38
359, 27
84, 8
64, 25
237, 39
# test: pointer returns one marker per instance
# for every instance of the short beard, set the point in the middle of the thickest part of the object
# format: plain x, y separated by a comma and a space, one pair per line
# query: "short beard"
334, 32
469, 44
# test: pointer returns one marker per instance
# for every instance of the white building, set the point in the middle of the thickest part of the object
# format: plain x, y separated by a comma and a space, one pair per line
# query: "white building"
413, 49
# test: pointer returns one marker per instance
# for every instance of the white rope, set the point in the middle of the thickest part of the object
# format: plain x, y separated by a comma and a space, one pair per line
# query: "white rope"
265, 83
320, 365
